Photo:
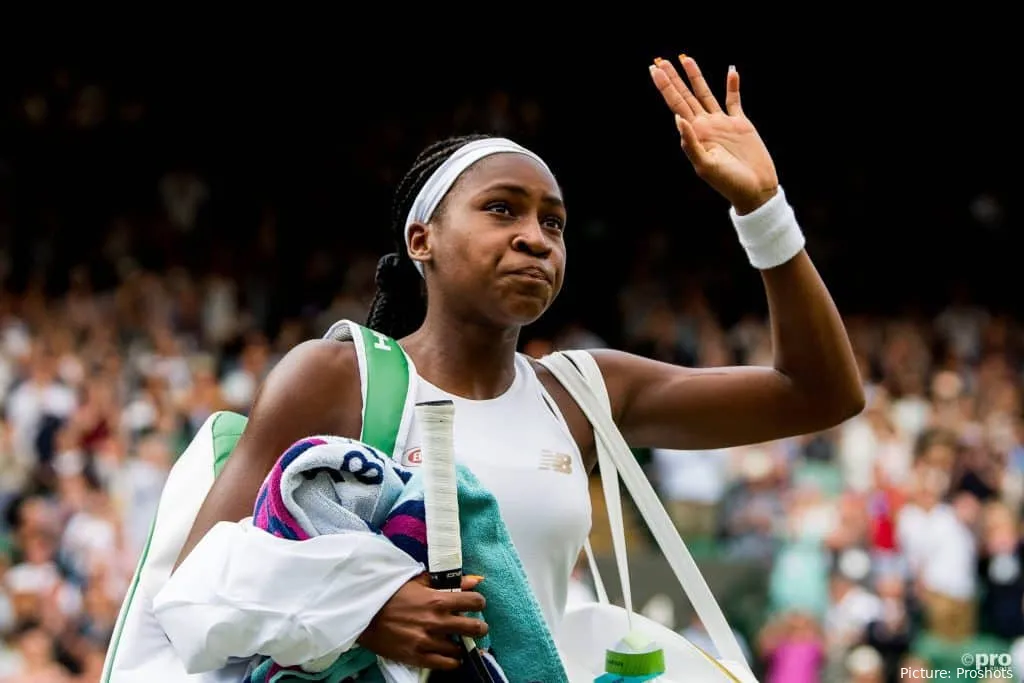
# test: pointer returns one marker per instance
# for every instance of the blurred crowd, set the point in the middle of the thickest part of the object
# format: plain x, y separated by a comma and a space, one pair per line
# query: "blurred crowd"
891, 543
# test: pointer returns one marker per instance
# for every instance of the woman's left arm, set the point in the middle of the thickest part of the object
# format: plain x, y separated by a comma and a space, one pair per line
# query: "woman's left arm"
815, 383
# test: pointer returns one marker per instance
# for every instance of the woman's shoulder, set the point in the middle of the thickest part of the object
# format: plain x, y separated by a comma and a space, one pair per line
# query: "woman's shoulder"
316, 363
315, 384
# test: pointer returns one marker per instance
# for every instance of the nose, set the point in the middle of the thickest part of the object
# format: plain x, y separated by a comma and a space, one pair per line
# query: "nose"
532, 240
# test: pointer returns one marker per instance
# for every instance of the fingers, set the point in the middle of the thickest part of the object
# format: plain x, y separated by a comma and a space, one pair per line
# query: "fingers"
672, 96
471, 581
441, 645
437, 650
690, 102
692, 105
468, 601
700, 86
692, 146
458, 625
438, 663
438, 653
732, 92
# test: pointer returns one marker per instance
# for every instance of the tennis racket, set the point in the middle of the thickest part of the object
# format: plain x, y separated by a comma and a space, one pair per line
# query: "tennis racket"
441, 502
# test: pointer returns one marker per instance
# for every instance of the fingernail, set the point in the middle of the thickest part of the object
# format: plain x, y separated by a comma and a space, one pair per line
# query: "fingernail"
682, 56
475, 577
732, 68
652, 68
658, 60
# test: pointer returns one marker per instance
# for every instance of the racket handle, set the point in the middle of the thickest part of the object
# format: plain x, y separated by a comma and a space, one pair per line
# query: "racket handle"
476, 660
440, 494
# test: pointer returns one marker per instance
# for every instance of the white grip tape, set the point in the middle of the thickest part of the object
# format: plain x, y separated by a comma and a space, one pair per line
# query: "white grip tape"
440, 490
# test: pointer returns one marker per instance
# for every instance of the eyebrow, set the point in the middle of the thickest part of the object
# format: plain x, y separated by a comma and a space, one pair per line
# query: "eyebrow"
523, 192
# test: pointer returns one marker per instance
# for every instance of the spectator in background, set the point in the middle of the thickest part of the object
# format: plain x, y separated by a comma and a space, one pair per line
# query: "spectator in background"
940, 550
865, 665
663, 338
794, 649
34, 659
890, 633
1001, 573
752, 510
692, 484
239, 385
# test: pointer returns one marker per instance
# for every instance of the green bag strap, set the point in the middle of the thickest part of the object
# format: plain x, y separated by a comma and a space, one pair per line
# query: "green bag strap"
386, 385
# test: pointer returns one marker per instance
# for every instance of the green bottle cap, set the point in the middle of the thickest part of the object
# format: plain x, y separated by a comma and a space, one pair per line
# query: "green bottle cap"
635, 656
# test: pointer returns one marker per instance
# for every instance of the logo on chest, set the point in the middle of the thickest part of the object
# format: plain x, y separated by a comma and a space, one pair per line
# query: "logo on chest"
412, 458
555, 462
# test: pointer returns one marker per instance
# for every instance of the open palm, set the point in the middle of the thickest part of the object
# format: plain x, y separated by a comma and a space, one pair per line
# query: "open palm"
723, 146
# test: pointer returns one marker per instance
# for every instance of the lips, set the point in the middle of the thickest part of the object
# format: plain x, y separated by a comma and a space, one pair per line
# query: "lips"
535, 273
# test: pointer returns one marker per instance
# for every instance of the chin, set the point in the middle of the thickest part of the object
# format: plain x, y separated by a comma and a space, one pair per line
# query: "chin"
518, 305
515, 311
521, 312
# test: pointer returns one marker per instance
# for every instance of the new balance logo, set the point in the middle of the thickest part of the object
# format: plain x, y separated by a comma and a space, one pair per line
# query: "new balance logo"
556, 462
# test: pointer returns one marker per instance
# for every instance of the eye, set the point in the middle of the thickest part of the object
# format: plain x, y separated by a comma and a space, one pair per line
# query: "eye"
554, 223
499, 207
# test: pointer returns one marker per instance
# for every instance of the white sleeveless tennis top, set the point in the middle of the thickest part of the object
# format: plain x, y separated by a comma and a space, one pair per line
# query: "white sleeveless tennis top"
519, 446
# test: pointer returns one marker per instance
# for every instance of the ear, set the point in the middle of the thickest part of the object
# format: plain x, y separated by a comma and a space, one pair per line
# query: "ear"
419, 242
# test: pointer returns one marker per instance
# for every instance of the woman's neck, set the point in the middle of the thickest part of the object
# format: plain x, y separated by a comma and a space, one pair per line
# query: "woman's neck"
465, 358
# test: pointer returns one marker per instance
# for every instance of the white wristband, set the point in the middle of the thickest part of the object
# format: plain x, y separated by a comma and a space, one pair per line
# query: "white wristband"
769, 234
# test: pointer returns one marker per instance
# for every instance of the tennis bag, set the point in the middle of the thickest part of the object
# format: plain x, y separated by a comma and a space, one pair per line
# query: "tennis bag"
139, 652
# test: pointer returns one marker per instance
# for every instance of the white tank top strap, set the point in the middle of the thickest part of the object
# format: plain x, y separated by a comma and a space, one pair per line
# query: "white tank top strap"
533, 381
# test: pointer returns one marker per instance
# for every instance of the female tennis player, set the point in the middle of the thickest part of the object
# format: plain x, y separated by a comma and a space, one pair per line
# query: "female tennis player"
480, 225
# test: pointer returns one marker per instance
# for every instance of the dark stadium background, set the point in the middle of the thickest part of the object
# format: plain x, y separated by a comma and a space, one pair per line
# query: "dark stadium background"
883, 135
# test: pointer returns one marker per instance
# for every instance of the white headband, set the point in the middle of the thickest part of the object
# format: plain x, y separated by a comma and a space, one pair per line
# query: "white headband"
441, 180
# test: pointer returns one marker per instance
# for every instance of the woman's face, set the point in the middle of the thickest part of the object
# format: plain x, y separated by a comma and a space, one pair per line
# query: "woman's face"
495, 251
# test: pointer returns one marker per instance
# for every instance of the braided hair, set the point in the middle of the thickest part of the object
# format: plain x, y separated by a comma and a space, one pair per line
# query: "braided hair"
399, 304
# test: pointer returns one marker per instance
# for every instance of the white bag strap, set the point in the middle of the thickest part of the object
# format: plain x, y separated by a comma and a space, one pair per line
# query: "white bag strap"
616, 523
579, 374
613, 506
602, 594
613, 500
